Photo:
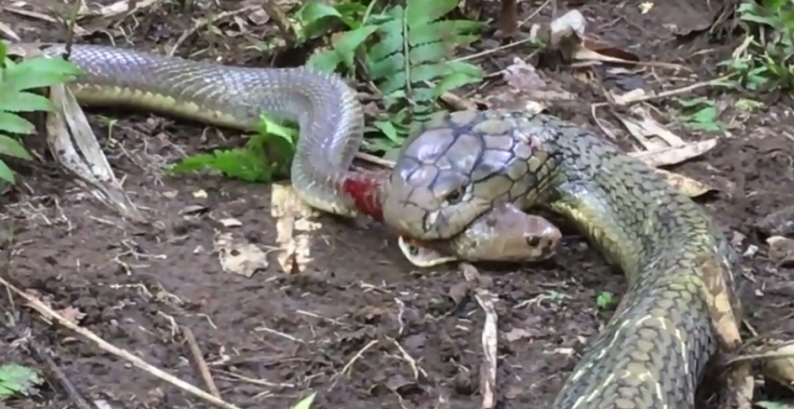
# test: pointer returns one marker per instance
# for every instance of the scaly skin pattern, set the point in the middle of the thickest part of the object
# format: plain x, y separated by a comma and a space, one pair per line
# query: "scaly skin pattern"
331, 123
653, 352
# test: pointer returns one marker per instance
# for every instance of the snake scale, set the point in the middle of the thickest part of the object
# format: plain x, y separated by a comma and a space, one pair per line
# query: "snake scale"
461, 168
331, 123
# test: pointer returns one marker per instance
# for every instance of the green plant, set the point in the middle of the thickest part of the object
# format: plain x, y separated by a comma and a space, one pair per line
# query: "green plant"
764, 62
699, 114
604, 300
405, 51
17, 380
16, 82
265, 156
306, 402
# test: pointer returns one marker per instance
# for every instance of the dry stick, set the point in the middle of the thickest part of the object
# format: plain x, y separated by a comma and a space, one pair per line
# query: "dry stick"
672, 92
490, 345
200, 362
48, 313
55, 371
70, 25
202, 24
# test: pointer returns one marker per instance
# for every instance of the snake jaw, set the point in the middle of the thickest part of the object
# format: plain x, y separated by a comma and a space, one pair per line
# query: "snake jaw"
421, 255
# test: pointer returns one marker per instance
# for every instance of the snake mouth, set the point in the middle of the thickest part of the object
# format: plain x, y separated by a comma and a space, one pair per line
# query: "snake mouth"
424, 254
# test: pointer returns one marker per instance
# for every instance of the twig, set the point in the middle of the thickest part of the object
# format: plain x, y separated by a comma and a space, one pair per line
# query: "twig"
375, 160
200, 362
670, 93
70, 25
350, 363
54, 369
280, 18
48, 313
202, 24
490, 344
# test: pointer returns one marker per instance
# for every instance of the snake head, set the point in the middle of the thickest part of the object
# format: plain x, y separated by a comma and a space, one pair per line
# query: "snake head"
426, 201
456, 170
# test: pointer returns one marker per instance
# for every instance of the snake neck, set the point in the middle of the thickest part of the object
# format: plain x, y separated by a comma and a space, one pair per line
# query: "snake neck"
622, 205
655, 348
366, 193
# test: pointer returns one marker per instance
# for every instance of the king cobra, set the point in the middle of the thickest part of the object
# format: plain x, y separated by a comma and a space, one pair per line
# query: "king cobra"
654, 350
331, 125
455, 181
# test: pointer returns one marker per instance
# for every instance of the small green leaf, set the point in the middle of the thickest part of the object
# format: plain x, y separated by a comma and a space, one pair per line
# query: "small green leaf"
349, 42
316, 18
268, 127
306, 402
455, 81
40, 72
15, 124
324, 60
3, 51
16, 379
422, 11
314, 10
765, 404
604, 300
8, 175
11, 147
388, 129
24, 102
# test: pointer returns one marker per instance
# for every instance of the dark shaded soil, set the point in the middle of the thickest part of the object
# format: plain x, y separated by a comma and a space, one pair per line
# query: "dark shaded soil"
360, 323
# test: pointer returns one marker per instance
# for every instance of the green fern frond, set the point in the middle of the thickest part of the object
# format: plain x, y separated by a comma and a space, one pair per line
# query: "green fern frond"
415, 48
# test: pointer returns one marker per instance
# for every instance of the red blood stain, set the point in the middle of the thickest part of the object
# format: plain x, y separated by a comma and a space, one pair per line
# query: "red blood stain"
365, 191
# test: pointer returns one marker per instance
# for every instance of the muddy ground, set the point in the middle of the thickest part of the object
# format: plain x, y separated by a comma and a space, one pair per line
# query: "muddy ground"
361, 326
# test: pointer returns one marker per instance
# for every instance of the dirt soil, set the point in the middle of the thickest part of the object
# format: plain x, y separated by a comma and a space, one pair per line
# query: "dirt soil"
360, 326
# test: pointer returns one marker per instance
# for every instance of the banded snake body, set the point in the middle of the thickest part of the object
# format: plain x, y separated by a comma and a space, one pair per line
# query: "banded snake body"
455, 181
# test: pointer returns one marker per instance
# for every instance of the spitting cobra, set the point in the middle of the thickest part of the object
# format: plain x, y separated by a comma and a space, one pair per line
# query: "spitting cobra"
653, 351
331, 125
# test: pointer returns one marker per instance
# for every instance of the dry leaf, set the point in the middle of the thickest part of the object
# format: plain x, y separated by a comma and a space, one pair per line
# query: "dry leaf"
781, 370
71, 314
230, 222
676, 154
517, 334
648, 127
781, 250
294, 228
243, 259
685, 185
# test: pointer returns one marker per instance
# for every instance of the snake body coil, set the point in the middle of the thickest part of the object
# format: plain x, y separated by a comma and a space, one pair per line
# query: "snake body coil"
326, 109
652, 353
331, 124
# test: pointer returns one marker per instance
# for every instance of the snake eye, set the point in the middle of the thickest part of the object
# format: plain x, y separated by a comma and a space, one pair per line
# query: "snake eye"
455, 196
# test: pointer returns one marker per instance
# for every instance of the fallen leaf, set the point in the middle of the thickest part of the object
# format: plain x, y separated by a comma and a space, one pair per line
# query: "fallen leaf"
294, 227
778, 223
240, 258
230, 222
781, 250
685, 185
780, 369
71, 314
675, 154
644, 129
517, 334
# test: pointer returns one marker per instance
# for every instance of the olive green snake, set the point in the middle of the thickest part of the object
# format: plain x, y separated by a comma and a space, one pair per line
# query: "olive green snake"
455, 178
